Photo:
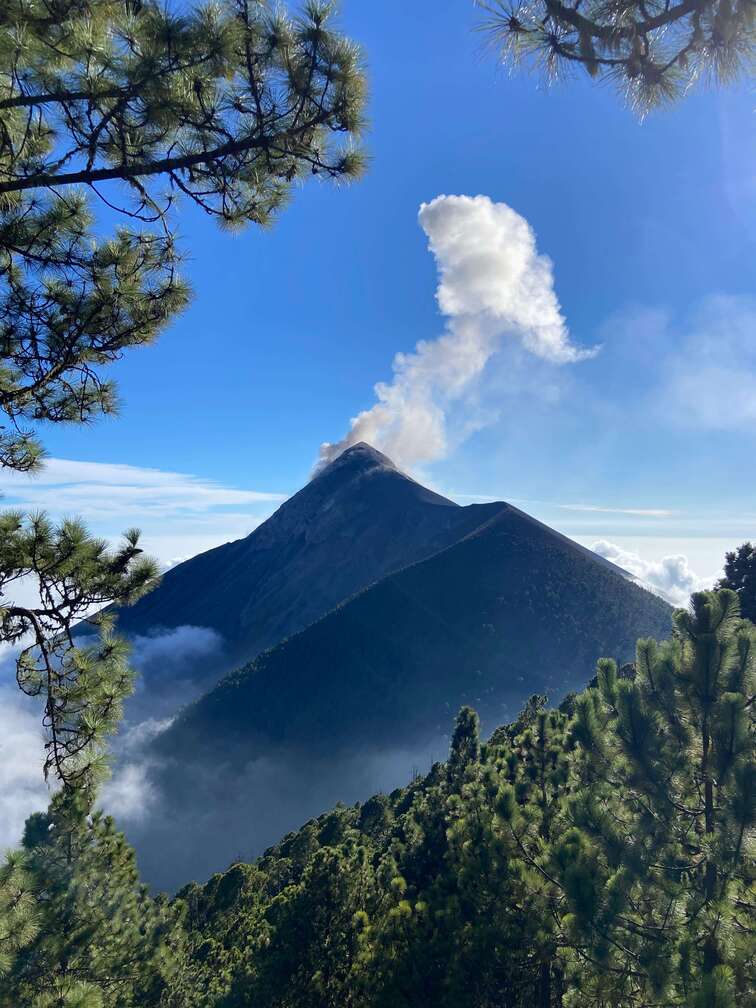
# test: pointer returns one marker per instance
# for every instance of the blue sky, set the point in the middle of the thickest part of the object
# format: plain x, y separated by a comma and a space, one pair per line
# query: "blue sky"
650, 227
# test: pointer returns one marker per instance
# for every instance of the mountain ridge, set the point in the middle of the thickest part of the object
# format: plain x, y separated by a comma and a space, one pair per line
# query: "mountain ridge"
351, 703
357, 519
488, 533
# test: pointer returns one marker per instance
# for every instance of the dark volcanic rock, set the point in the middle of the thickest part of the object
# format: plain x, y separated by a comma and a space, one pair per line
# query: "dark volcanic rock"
481, 605
357, 520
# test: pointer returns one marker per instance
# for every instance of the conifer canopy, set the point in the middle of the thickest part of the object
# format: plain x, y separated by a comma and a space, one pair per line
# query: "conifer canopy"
653, 51
123, 106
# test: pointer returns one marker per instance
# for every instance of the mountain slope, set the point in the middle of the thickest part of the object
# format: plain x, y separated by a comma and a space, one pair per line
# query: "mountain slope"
356, 521
368, 693
511, 609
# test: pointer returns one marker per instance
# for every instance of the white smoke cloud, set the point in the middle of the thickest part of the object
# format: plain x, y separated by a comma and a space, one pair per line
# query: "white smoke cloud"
493, 286
670, 577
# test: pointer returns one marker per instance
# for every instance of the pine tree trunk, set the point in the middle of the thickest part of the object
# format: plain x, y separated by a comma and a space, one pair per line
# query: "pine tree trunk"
708, 787
558, 988
711, 956
710, 880
544, 986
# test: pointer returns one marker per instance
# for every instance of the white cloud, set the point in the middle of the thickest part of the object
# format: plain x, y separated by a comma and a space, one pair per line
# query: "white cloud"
670, 577
161, 659
97, 488
135, 738
199, 513
493, 286
22, 786
129, 794
637, 512
168, 650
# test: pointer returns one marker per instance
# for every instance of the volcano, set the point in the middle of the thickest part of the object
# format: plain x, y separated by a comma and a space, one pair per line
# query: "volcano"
370, 609
357, 520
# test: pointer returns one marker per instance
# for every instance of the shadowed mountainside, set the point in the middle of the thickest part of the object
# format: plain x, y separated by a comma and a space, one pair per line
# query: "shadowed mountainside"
357, 520
510, 609
367, 693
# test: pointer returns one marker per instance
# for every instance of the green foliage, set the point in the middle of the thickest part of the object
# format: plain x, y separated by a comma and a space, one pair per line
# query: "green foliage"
740, 576
98, 939
592, 858
229, 104
19, 919
654, 52
73, 918
657, 876
83, 686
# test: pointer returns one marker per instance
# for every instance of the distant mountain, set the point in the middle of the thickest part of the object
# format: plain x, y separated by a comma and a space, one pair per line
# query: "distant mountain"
499, 607
357, 520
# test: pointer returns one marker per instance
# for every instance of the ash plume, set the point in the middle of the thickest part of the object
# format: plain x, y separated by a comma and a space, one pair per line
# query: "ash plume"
493, 286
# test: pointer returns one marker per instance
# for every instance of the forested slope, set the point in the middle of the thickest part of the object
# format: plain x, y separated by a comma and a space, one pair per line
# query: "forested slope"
578, 858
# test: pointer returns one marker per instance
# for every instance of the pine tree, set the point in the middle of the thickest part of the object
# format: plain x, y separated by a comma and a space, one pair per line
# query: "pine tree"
740, 576
535, 782
100, 940
83, 688
653, 52
465, 744
19, 919
130, 105
83, 685
655, 864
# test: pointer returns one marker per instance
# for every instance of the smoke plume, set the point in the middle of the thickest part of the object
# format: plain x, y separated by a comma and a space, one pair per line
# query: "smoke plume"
493, 286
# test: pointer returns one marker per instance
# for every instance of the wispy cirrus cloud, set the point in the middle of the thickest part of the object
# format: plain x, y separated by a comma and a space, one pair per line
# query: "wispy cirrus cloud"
112, 488
692, 371
180, 514
637, 512
710, 381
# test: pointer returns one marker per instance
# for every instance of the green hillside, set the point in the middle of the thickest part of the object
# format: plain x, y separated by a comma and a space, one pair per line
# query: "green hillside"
597, 854
570, 861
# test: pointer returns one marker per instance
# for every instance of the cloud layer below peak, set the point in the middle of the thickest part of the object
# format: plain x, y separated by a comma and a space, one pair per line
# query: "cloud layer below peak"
670, 576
